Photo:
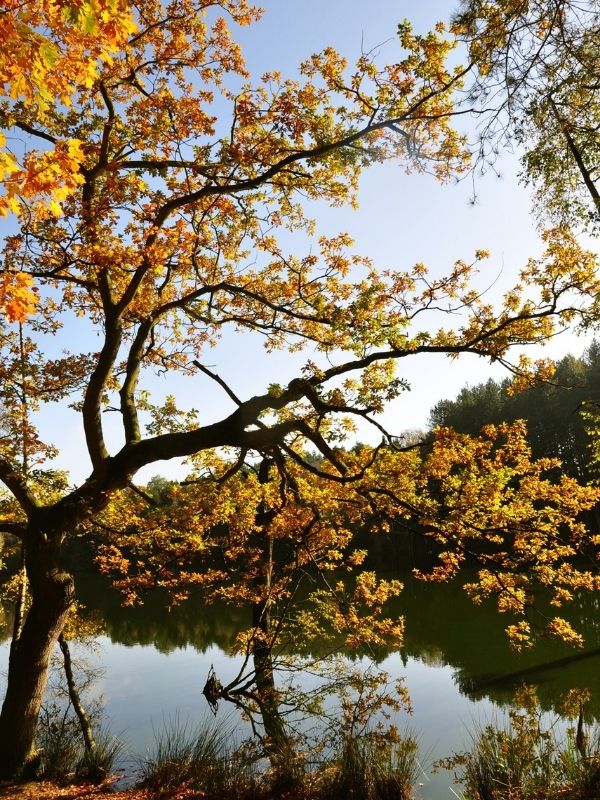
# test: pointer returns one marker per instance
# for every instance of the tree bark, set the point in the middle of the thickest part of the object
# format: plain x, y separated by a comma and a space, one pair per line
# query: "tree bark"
51, 598
278, 745
20, 604
74, 697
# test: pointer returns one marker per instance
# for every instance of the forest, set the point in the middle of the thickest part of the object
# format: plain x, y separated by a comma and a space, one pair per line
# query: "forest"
560, 414
167, 222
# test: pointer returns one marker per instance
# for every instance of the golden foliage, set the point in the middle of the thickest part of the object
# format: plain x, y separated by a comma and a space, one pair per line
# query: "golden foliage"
159, 227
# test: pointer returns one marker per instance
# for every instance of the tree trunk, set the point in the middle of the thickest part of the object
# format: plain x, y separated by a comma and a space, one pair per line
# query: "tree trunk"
278, 745
20, 604
74, 697
266, 692
51, 598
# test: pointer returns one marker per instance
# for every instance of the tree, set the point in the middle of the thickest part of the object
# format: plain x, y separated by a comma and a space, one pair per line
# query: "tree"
156, 223
551, 410
473, 408
35, 70
276, 539
538, 66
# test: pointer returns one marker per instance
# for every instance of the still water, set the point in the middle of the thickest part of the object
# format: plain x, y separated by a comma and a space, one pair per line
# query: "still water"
455, 663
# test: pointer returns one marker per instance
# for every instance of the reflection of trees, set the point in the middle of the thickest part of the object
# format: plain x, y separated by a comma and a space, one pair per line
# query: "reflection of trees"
191, 623
442, 620
299, 725
443, 627
254, 692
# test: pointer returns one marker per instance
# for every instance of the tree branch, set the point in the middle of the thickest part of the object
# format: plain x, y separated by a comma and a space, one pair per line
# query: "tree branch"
34, 132
13, 481
317, 152
92, 419
127, 392
230, 393
14, 528
577, 156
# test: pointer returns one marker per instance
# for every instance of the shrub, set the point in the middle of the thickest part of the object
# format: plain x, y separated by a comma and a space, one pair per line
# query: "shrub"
524, 760
62, 755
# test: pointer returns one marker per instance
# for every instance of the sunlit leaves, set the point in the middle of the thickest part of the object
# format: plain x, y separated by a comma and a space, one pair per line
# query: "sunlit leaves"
43, 181
51, 47
507, 512
162, 204
480, 499
17, 298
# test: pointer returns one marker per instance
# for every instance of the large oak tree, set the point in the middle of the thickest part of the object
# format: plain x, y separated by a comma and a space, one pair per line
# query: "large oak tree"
149, 204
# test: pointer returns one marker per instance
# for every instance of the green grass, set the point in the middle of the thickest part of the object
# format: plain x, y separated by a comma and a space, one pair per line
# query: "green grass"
201, 759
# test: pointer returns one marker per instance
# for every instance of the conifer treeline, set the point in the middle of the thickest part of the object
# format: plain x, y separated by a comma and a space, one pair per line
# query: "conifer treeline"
552, 410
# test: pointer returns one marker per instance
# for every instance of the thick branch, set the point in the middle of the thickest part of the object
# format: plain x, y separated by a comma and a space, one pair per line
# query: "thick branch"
108, 125
35, 132
157, 164
14, 528
92, 418
243, 428
13, 481
134, 359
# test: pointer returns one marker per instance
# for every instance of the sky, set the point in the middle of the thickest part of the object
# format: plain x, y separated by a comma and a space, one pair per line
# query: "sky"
405, 219
402, 219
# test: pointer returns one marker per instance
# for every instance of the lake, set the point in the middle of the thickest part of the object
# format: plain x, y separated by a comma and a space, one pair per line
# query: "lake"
455, 662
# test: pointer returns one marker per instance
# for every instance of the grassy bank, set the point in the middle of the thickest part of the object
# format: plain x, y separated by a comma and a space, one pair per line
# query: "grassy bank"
523, 757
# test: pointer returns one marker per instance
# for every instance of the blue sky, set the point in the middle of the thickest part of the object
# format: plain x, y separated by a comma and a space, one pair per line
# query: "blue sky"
402, 220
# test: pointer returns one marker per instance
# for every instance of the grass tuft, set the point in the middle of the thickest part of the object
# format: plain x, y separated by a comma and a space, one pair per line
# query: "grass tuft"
366, 768
95, 766
200, 759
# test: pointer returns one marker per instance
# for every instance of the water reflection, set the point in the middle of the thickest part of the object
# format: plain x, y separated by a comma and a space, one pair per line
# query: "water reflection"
443, 629
455, 662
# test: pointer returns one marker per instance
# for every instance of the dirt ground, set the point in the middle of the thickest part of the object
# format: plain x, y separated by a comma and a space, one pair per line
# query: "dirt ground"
48, 791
